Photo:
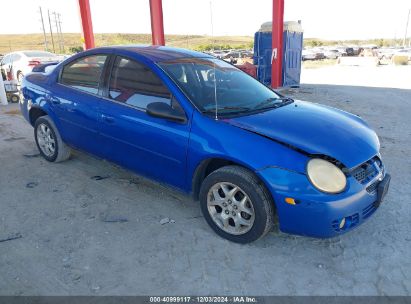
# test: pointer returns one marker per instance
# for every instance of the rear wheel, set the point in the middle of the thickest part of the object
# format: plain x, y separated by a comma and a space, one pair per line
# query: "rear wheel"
15, 98
49, 141
236, 204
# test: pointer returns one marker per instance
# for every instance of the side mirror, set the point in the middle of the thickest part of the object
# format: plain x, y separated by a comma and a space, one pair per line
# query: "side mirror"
163, 110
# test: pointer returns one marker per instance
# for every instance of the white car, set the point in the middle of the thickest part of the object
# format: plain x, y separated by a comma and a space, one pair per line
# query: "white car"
219, 53
386, 53
312, 54
332, 54
17, 64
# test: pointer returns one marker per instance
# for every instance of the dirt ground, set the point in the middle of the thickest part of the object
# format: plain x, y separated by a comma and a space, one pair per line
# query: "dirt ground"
88, 227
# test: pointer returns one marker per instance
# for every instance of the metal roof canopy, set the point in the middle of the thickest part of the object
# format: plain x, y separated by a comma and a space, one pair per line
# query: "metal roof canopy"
157, 32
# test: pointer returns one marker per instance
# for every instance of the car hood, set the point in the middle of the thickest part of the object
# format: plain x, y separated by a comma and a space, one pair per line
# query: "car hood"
315, 129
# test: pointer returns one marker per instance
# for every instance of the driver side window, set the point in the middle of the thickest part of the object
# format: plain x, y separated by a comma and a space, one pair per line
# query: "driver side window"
135, 84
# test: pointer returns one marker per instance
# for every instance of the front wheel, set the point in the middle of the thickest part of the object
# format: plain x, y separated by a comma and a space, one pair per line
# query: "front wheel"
49, 141
236, 204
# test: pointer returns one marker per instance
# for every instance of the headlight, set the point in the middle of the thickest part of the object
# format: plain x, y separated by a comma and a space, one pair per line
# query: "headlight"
326, 176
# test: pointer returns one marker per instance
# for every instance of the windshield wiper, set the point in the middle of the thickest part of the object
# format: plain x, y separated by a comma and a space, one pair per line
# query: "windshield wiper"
273, 103
228, 109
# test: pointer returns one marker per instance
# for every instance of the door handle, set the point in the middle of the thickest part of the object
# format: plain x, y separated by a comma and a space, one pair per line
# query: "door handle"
107, 119
53, 100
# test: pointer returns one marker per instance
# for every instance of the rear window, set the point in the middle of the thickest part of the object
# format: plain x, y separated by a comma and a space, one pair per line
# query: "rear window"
38, 54
84, 73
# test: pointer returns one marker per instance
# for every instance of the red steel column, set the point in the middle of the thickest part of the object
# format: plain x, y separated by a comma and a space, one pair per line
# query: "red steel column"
157, 27
87, 25
277, 36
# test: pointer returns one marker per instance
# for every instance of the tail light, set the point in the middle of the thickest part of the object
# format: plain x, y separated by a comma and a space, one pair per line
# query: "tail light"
33, 63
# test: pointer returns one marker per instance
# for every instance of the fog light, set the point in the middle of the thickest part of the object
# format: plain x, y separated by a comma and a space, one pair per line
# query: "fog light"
342, 223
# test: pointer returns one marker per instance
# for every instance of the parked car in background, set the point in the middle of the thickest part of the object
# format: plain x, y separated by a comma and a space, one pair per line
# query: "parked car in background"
219, 53
201, 125
350, 51
342, 51
237, 57
332, 54
358, 49
386, 53
312, 54
17, 64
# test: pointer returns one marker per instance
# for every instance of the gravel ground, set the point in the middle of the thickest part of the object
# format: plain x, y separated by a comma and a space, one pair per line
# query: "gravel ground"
88, 227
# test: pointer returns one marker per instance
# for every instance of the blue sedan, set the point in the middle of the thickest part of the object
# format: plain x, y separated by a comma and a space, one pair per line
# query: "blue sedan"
199, 124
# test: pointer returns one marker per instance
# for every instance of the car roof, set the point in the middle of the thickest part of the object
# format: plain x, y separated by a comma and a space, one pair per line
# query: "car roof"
160, 53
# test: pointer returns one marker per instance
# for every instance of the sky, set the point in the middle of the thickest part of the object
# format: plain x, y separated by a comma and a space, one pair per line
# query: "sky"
325, 19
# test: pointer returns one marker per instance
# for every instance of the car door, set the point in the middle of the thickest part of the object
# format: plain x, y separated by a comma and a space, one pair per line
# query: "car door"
75, 98
155, 147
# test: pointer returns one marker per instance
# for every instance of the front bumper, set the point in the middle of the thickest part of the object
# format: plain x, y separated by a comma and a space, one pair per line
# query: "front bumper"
315, 213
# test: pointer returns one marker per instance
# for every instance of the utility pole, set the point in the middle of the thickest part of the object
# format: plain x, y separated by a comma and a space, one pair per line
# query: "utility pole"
57, 30
61, 33
406, 29
44, 29
212, 24
51, 32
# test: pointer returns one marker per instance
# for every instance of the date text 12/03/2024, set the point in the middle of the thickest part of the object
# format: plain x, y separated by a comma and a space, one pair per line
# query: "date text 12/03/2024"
204, 299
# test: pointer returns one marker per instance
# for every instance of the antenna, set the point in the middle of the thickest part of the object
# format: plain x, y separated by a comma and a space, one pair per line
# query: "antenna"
215, 92
212, 25
215, 74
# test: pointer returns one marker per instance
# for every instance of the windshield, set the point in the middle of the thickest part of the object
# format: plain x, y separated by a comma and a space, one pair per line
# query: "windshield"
38, 54
213, 84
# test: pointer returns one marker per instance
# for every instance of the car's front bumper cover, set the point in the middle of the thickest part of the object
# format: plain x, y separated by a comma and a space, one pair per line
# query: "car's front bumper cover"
315, 213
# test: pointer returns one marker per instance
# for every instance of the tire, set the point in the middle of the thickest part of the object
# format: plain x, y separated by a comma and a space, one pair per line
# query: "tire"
20, 77
53, 149
259, 207
15, 98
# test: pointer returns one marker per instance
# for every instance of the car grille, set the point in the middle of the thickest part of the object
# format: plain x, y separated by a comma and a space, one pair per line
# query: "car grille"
368, 170
371, 188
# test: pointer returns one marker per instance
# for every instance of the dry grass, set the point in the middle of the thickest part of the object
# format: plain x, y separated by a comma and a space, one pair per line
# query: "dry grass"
399, 59
10, 43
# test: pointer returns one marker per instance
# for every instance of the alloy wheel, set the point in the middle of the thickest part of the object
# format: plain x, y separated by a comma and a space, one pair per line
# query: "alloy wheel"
230, 208
46, 140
